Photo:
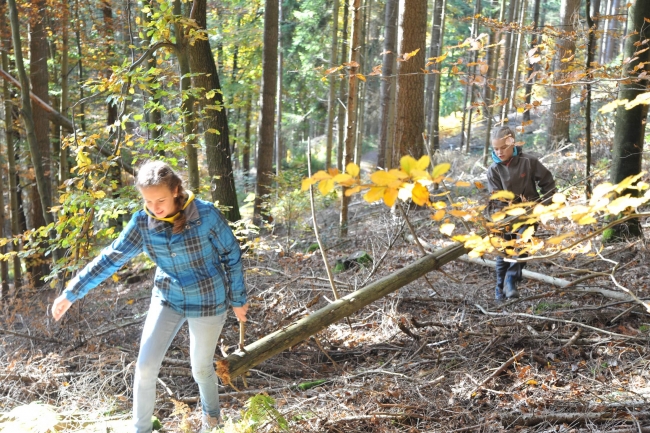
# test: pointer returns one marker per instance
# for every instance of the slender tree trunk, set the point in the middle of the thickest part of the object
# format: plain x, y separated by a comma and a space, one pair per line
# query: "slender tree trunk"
279, 151
188, 102
342, 87
64, 167
153, 115
246, 151
532, 67
630, 127
439, 28
591, 6
560, 112
353, 83
27, 114
387, 79
11, 159
506, 61
331, 98
514, 73
215, 121
363, 89
606, 35
469, 95
78, 24
267, 116
492, 55
409, 125
614, 35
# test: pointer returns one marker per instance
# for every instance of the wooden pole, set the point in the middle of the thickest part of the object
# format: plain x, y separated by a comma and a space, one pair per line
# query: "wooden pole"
239, 362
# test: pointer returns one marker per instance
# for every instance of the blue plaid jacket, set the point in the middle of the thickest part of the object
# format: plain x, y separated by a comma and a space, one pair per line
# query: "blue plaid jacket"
199, 270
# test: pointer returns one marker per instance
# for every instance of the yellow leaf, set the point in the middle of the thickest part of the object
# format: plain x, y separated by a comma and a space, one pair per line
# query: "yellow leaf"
333, 171
351, 191
458, 213
440, 169
627, 182
420, 195
440, 214
423, 163
558, 197
130, 302
479, 185
498, 216
389, 196
587, 219
306, 183
383, 178
99, 194
462, 183
407, 162
352, 169
321, 175
342, 178
643, 98
611, 106
528, 233
600, 191
439, 205
516, 211
326, 186
531, 382
555, 240
447, 229
374, 194
115, 278
361, 77
506, 195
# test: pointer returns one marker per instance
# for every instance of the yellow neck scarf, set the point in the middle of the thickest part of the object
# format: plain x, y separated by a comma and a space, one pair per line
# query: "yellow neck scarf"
171, 219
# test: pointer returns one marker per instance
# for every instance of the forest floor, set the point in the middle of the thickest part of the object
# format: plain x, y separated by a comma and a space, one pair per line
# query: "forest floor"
438, 355
431, 357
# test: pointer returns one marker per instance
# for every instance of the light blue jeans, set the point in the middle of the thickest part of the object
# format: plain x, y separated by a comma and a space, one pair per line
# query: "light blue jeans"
161, 326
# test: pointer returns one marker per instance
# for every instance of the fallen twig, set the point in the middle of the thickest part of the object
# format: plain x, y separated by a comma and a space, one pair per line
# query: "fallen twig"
498, 371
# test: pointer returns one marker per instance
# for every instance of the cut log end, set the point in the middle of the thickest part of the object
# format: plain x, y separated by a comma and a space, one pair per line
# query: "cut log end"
223, 371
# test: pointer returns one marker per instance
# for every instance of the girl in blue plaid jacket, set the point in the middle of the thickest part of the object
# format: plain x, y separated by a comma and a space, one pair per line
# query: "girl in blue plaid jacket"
198, 275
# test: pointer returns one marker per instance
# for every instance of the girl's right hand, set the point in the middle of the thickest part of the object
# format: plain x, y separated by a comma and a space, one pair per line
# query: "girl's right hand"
60, 306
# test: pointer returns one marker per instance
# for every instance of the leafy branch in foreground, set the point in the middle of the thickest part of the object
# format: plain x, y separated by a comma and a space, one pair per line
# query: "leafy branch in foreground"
571, 219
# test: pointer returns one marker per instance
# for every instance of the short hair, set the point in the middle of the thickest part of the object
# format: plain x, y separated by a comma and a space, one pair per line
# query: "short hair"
503, 132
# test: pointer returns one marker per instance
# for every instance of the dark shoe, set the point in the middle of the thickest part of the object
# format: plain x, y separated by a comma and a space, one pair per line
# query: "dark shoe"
498, 294
510, 289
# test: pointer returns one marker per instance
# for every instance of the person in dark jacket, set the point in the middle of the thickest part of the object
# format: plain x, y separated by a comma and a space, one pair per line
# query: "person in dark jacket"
526, 177
198, 276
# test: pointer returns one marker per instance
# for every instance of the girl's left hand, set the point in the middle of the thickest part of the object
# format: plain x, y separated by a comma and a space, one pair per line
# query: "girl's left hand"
240, 312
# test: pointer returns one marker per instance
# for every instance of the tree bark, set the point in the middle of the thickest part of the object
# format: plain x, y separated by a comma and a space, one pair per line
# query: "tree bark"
591, 7
241, 361
188, 102
64, 166
215, 120
351, 123
5, 36
279, 151
439, 24
266, 135
153, 114
630, 124
387, 79
506, 61
409, 121
331, 98
342, 108
514, 71
532, 67
246, 151
560, 112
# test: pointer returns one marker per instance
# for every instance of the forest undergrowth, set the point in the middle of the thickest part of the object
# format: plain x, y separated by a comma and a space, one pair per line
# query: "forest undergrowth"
438, 355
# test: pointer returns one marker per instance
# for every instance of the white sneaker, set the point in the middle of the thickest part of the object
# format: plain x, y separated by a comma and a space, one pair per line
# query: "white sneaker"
209, 423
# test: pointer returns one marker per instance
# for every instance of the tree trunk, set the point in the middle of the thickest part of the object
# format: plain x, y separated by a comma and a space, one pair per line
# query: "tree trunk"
82, 107
469, 94
342, 108
42, 182
5, 36
215, 120
331, 99
630, 124
409, 121
246, 151
278, 118
266, 134
241, 361
591, 7
64, 166
560, 112
506, 61
188, 102
514, 72
532, 67
351, 123
613, 33
154, 114
387, 79
439, 27
492, 54
363, 90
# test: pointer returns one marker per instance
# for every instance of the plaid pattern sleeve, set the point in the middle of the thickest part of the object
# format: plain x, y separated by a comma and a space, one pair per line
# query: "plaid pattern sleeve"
230, 256
127, 245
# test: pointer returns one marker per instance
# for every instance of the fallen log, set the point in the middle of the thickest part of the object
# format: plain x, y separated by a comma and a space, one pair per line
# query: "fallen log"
59, 119
239, 362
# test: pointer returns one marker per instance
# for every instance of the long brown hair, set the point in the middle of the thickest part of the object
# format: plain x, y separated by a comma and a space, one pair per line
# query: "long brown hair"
157, 173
